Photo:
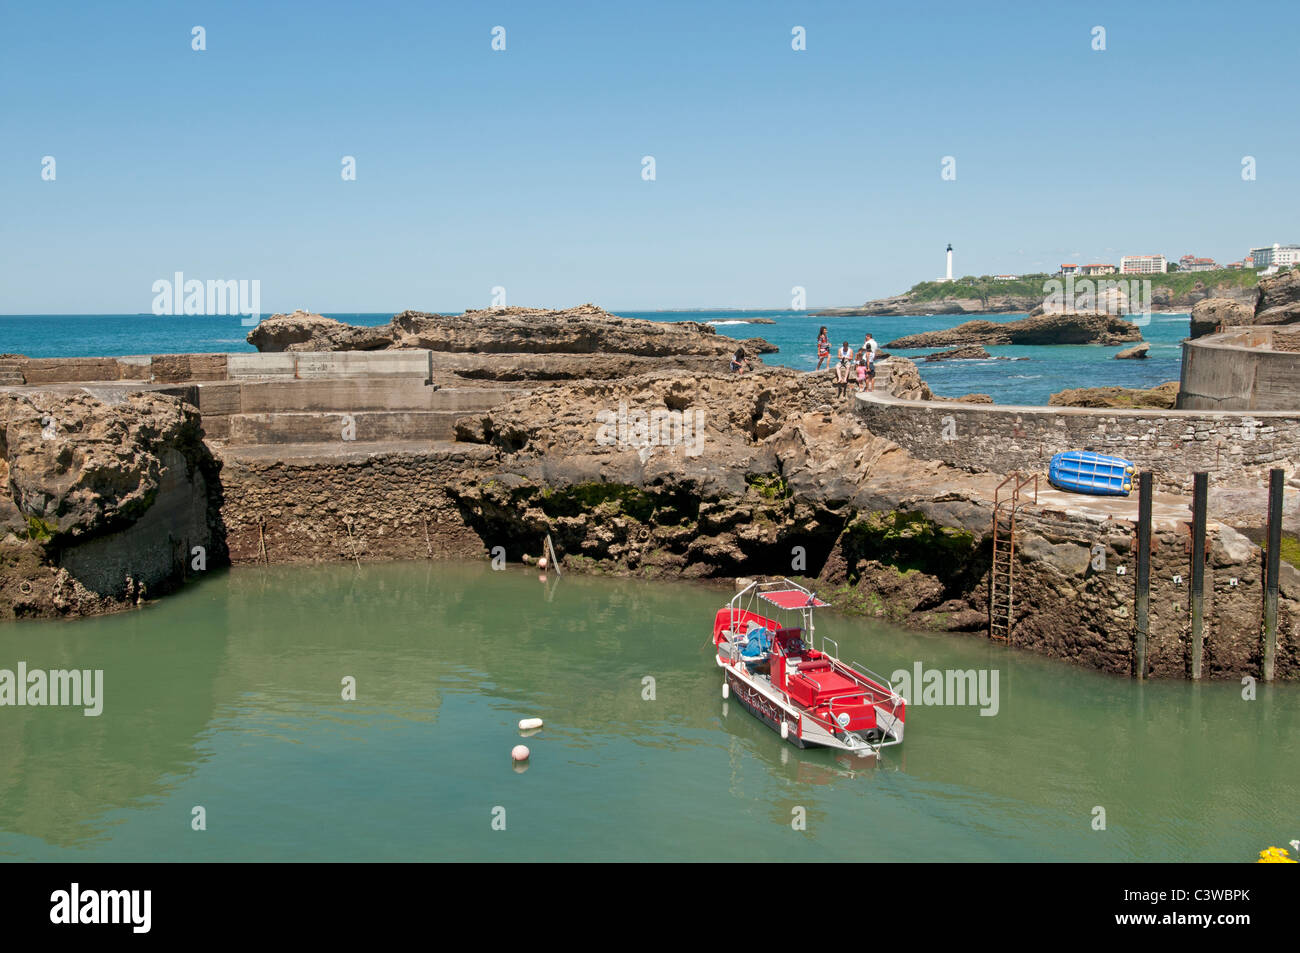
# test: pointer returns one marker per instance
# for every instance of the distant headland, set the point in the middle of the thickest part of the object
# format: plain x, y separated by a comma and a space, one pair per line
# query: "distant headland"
991, 294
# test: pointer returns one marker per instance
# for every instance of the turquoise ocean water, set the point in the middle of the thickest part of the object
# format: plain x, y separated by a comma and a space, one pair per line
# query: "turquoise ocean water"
1030, 381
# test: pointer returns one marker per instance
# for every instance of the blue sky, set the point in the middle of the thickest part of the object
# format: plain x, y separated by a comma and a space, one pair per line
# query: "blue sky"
522, 168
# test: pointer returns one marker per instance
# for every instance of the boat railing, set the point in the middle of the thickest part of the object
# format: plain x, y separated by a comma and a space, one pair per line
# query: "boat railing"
854, 670
886, 739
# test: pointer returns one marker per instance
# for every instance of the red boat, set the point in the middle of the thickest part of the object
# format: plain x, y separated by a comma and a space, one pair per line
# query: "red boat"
810, 697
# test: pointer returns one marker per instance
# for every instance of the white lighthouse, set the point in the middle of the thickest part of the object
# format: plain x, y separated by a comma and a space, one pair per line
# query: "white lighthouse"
948, 277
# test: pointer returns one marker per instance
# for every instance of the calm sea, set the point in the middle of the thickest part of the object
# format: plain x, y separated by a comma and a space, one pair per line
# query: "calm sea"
1043, 371
227, 696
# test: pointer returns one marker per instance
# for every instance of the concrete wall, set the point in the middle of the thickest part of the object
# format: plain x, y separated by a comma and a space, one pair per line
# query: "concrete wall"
302, 365
1232, 447
173, 368
343, 505
1241, 369
310, 411
58, 370
338, 427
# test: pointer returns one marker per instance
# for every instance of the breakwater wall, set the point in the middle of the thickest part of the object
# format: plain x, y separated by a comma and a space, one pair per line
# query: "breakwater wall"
346, 503
1233, 447
1247, 368
175, 368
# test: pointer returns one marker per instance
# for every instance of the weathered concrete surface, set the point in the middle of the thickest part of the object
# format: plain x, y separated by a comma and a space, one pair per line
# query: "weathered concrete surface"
362, 501
57, 370
301, 365
1245, 368
334, 427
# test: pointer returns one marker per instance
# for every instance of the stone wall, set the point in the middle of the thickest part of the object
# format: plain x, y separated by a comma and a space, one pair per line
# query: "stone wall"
348, 504
1236, 448
1059, 576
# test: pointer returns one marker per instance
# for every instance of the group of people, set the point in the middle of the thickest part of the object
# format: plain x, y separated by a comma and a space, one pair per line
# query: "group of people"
860, 365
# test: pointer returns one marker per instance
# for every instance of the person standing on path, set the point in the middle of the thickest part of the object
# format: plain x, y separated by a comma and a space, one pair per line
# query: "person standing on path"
871, 347
842, 369
823, 348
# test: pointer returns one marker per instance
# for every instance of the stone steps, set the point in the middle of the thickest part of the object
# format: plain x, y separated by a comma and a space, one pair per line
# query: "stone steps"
11, 371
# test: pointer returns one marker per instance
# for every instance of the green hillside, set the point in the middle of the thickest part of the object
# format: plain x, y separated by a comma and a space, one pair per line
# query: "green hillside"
1176, 282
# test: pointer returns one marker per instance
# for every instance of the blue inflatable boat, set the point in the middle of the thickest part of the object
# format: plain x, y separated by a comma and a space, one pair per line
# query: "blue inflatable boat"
1082, 472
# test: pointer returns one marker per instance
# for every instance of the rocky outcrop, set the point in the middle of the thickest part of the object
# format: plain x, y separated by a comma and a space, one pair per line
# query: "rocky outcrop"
1213, 314
773, 479
905, 305
1276, 301
104, 501
970, 352
958, 297
1163, 397
1067, 328
1137, 353
585, 330
303, 331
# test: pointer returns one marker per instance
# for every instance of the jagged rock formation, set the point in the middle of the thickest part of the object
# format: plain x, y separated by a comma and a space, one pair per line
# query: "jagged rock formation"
586, 329
104, 501
304, 331
1276, 301
969, 352
1163, 397
1067, 328
1214, 313
1135, 353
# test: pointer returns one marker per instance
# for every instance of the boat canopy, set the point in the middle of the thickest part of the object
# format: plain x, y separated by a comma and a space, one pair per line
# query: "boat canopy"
793, 599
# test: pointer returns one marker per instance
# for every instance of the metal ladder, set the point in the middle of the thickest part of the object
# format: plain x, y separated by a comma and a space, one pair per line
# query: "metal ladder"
1002, 573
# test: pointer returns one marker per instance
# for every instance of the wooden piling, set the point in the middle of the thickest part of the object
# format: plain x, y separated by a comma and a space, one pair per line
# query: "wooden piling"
1141, 611
1200, 488
1273, 562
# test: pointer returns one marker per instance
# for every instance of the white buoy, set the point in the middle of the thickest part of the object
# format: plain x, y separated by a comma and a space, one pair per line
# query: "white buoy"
785, 730
541, 562
528, 724
726, 689
519, 753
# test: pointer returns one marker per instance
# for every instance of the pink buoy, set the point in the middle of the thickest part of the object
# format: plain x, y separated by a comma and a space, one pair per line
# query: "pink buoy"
541, 563
519, 753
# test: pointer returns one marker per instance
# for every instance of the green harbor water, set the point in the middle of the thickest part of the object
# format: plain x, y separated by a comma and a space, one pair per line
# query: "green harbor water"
228, 696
